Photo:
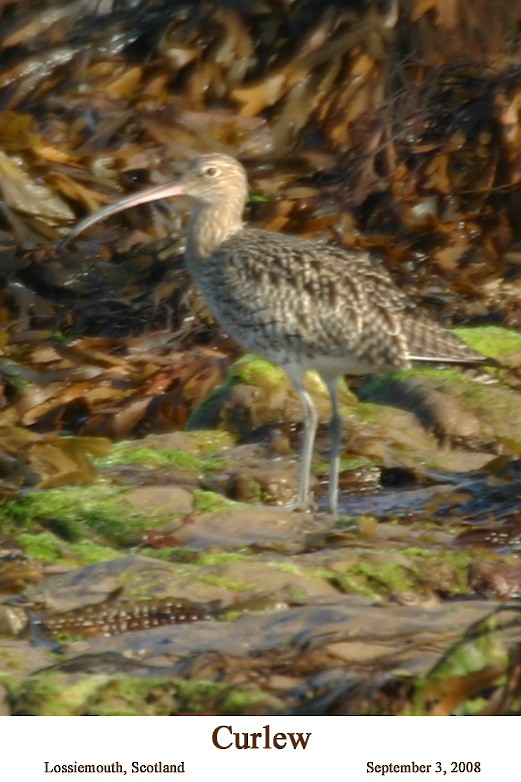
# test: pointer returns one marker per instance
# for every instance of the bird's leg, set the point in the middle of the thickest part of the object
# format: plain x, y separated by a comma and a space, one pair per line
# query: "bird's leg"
310, 419
335, 427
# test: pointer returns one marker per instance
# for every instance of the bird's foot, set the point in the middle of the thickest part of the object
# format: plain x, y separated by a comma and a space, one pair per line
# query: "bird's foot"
302, 505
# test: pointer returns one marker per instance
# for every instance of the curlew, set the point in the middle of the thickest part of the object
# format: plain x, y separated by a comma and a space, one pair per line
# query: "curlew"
301, 304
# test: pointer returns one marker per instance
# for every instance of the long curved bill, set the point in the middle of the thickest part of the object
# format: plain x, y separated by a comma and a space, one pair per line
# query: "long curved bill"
165, 190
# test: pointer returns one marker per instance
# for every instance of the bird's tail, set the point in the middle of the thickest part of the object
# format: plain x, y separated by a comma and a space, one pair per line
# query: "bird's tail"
429, 342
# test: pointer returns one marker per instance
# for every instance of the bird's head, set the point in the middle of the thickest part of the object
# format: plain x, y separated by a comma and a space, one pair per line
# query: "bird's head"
214, 179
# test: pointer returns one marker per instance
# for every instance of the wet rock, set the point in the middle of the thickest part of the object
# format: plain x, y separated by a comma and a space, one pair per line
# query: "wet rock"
437, 412
249, 526
331, 630
97, 583
274, 486
257, 394
174, 440
159, 501
458, 409
20, 658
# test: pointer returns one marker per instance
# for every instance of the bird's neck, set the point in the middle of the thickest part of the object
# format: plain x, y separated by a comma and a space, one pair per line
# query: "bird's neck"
209, 226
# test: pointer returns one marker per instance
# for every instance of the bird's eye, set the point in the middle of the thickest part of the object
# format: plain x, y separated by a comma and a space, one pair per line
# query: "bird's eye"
211, 171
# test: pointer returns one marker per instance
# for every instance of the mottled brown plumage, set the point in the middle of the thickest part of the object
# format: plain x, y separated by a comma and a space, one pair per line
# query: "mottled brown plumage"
302, 304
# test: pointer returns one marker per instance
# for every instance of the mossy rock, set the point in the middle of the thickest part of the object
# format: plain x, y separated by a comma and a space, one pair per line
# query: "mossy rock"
53, 693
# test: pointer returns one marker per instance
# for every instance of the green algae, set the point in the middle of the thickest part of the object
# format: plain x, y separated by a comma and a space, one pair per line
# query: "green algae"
212, 441
53, 693
256, 371
209, 501
48, 548
479, 648
492, 341
496, 407
268, 405
368, 412
43, 546
233, 585
406, 571
215, 558
10, 662
248, 369
347, 464
180, 554
439, 565
129, 452
375, 383
199, 559
77, 512
296, 569
249, 701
